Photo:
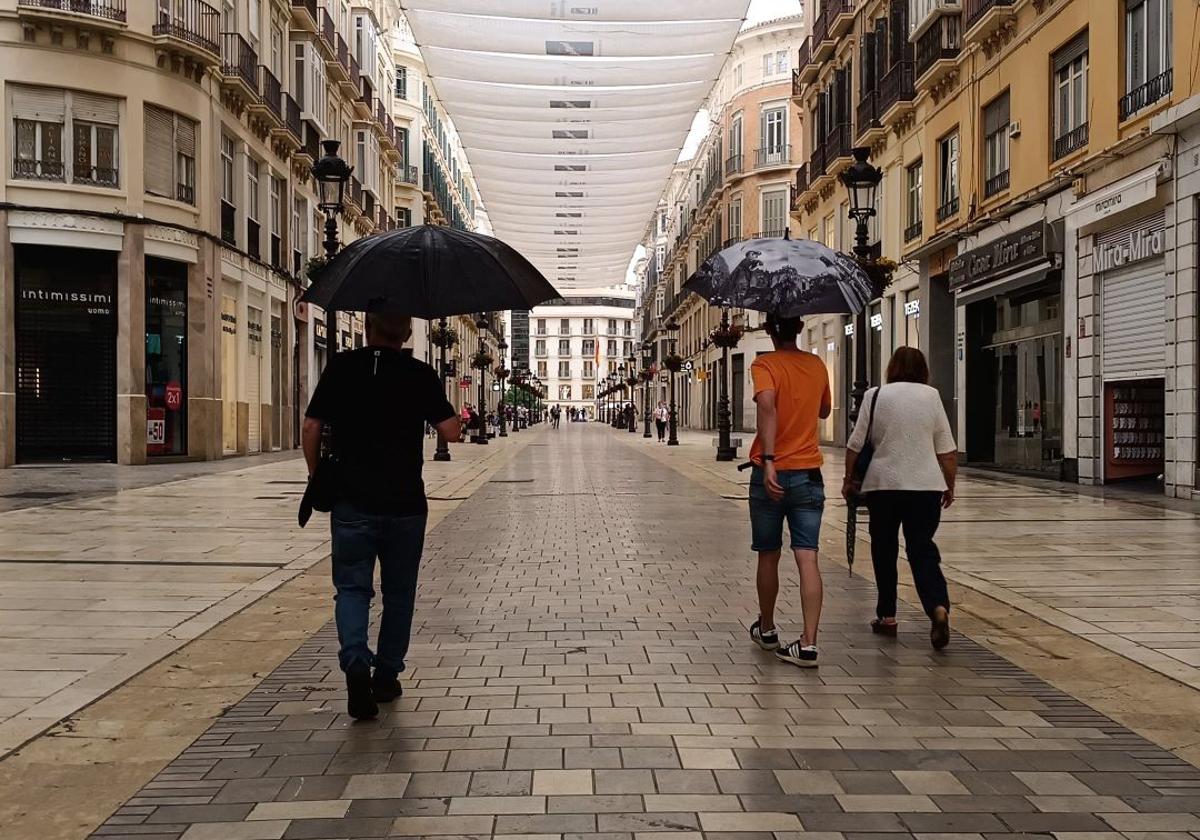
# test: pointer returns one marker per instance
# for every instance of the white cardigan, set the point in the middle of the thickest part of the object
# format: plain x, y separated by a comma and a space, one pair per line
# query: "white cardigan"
910, 431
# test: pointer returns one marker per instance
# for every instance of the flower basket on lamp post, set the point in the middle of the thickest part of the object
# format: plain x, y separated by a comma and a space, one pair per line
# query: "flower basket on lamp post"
726, 336
673, 363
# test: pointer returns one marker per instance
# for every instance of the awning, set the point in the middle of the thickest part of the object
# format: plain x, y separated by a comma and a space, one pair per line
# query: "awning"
1118, 197
1030, 276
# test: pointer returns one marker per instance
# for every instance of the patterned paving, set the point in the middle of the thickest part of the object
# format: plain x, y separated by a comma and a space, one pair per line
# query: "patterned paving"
581, 671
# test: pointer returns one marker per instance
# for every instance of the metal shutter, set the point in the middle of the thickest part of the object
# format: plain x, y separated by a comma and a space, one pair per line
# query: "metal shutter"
92, 108
41, 104
253, 373
1133, 322
159, 152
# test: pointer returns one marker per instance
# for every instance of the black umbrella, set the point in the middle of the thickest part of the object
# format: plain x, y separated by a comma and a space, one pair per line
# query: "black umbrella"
429, 272
787, 277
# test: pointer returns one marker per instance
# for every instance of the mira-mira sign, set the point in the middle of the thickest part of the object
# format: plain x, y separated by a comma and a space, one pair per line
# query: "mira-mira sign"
1147, 239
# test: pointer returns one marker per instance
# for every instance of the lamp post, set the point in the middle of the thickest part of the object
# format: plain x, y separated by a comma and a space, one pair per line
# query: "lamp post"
861, 181
502, 346
631, 381
725, 337
481, 437
619, 393
331, 174
442, 453
673, 414
646, 376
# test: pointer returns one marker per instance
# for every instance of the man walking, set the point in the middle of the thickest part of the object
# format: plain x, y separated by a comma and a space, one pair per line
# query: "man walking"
375, 401
791, 390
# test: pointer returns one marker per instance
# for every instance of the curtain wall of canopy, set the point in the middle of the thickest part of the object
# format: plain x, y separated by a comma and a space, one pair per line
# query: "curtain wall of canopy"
573, 113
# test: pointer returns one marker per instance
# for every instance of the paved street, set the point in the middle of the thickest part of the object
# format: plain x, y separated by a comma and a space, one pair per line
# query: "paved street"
581, 670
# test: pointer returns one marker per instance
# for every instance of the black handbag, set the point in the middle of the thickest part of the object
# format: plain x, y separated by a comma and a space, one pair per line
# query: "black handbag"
863, 462
324, 488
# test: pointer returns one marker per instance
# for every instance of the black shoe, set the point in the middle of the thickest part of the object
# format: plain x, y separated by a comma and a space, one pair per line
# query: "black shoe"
939, 633
798, 654
765, 639
360, 703
386, 686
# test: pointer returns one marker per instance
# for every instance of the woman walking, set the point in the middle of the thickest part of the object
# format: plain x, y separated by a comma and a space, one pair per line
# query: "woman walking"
661, 416
909, 481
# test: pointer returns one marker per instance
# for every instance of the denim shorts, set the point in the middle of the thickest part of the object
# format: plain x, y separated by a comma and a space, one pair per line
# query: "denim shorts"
802, 504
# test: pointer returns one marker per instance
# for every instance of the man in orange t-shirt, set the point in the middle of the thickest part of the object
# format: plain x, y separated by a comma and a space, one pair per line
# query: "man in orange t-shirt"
791, 389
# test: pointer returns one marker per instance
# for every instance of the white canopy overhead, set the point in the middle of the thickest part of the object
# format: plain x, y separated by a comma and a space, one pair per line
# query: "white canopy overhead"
572, 114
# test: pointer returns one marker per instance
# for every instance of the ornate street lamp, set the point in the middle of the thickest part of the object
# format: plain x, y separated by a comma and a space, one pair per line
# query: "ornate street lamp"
647, 375
631, 381
331, 174
481, 362
725, 336
861, 180
502, 373
619, 394
443, 338
674, 364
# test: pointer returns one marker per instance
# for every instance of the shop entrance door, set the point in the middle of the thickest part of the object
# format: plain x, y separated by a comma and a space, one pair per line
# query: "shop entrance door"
66, 326
254, 356
278, 360
229, 396
737, 387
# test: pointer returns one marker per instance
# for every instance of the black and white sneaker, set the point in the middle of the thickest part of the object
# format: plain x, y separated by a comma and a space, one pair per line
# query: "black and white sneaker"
798, 654
765, 639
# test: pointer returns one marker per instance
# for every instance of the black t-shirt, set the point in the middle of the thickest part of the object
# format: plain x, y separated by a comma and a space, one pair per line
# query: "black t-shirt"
377, 401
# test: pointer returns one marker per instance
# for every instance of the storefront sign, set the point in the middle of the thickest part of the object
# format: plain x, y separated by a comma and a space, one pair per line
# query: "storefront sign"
464, 383
831, 347
912, 309
228, 323
156, 430
1005, 255
320, 334
877, 322
254, 331
849, 329
1116, 198
173, 396
1147, 240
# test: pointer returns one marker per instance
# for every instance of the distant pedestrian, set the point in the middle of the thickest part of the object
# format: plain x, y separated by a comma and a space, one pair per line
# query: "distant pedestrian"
375, 402
661, 415
908, 484
791, 390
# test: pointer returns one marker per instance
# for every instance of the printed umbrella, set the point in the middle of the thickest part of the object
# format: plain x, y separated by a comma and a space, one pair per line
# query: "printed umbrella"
429, 271
787, 277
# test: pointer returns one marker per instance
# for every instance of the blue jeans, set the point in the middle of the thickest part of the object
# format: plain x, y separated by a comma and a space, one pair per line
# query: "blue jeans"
358, 538
802, 505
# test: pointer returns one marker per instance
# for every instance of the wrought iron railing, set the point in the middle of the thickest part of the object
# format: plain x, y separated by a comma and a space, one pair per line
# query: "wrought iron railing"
276, 251
253, 239
817, 163
191, 21
238, 59
802, 178
291, 117
1147, 94
805, 54
408, 174
733, 165
356, 192
343, 53
773, 156
838, 143
867, 112
896, 85
976, 9
947, 209
185, 193
368, 205
104, 9
998, 183
913, 231
94, 176
328, 32
312, 143
1074, 139
270, 91
38, 170
228, 223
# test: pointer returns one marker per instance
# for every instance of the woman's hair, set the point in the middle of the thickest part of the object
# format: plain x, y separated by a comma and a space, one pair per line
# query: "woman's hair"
783, 329
908, 365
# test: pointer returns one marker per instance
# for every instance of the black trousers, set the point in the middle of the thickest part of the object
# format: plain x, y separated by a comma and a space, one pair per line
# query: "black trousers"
918, 513
662, 428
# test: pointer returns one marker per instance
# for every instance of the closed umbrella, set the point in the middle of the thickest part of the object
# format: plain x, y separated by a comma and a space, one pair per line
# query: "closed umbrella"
429, 271
786, 277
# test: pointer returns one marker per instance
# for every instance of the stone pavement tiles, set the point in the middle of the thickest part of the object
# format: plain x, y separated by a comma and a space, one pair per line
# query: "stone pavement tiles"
581, 671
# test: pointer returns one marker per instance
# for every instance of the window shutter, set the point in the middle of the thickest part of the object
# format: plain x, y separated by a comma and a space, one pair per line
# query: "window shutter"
866, 80
92, 108
885, 56
35, 103
185, 136
159, 153
1075, 48
995, 116
902, 48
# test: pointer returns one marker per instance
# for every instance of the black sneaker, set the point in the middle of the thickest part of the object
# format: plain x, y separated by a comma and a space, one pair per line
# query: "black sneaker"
798, 654
939, 632
765, 639
361, 702
385, 686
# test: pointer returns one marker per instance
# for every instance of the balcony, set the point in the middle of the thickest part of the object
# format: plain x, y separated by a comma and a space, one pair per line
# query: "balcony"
922, 14
838, 144
913, 232
985, 17
352, 86
1072, 141
368, 205
996, 184
311, 147
806, 67
28, 169
253, 239
94, 176
821, 44
839, 16
364, 101
269, 108
937, 51
338, 67
733, 166
291, 133
773, 156
408, 174
867, 127
356, 192
239, 64
800, 185
896, 93
228, 223
948, 210
305, 15
816, 165
191, 28
276, 252
1145, 95
327, 31
103, 13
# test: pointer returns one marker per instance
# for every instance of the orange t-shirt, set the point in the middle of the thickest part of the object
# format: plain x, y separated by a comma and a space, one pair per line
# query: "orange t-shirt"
801, 387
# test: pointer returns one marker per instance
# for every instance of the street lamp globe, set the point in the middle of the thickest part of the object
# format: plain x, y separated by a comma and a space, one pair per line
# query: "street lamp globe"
861, 181
331, 174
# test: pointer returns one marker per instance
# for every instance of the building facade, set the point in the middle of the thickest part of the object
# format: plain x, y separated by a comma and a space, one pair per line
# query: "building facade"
157, 215
1031, 198
736, 186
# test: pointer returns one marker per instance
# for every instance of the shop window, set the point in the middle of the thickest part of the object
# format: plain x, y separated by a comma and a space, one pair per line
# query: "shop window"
1148, 76
43, 119
166, 357
1070, 96
995, 146
169, 155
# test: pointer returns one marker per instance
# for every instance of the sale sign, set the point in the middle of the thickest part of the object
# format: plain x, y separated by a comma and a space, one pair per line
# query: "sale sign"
174, 396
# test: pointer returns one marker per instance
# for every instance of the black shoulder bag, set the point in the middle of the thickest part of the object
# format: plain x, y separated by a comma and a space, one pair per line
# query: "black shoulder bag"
863, 463
325, 485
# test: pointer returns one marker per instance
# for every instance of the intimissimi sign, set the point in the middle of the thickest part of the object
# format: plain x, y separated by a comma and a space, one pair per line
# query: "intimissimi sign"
1142, 240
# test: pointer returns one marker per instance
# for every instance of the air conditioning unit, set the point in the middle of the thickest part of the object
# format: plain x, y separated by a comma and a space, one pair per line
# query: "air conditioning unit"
1014, 128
